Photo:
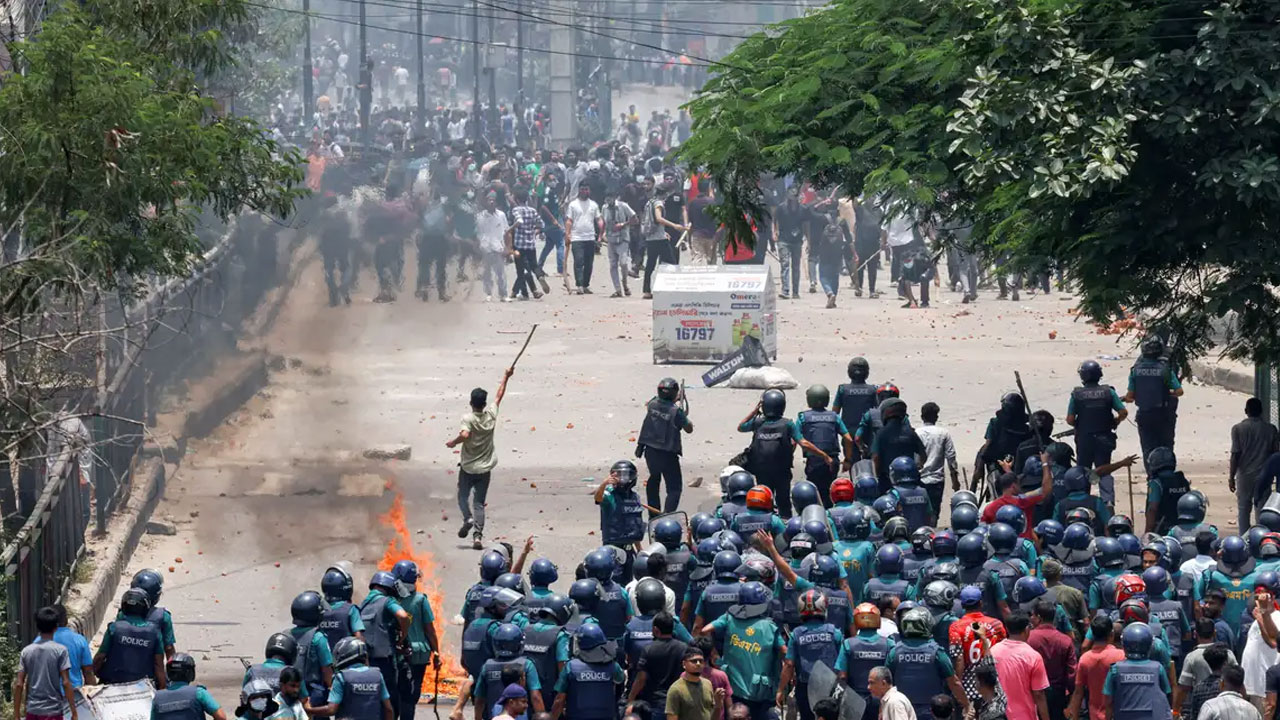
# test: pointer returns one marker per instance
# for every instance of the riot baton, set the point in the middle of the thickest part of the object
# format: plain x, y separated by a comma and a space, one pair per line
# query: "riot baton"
1129, 470
1027, 403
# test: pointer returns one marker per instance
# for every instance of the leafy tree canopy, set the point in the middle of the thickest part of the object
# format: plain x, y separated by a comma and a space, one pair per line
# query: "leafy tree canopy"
1133, 142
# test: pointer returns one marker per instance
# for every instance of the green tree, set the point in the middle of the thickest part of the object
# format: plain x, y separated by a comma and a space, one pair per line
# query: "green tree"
1134, 142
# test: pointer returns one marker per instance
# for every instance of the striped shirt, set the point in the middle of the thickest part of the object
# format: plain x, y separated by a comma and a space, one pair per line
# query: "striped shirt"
528, 225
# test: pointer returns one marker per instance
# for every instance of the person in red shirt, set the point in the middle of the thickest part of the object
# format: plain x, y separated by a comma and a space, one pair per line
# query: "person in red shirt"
1007, 485
1059, 653
971, 638
1091, 671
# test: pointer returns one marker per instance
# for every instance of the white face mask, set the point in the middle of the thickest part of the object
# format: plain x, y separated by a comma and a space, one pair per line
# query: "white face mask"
258, 704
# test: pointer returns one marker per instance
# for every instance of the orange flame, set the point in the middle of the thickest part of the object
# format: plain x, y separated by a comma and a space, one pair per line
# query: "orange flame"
400, 548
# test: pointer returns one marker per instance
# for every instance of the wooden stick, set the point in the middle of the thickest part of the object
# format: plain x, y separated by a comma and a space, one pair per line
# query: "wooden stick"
1129, 470
526, 344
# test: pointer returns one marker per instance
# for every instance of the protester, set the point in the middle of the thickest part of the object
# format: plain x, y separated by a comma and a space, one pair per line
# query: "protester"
1253, 440
476, 461
42, 688
893, 704
1022, 671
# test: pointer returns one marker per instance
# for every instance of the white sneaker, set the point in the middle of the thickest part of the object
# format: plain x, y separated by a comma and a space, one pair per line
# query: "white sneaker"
506, 299
488, 298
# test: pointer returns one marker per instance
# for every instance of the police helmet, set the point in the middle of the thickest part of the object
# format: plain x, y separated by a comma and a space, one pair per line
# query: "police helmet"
859, 369
1110, 554
601, 563
382, 579
1191, 508
150, 582
406, 574
1269, 581
1119, 525
804, 494
626, 474
801, 546
260, 693
511, 581
1033, 468
886, 506
817, 396
181, 668
667, 531
738, 485
817, 529
307, 608
281, 646
1270, 518
773, 403
730, 540
760, 497
866, 488
886, 391
791, 528
964, 519
903, 469
587, 594
704, 529
1077, 536
349, 651
944, 544
888, 560
1060, 454
971, 550
1012, 402
1049, 530
812, 604
841, 490
492, 564
922, 540
903, 608
940, 595
1172, 560
1156, 579
1156, 545
651, 596
1090, 371
891, 408
135, 603
1028, 588
543, 572
1135, 610
1152, 347
1076, 479
753, 599
725, 473
507, 641
589, 637
963, 497
1132, 546
336, 584
1081, 515
1160, 459
559, 607
1234, 553
1012, 516
706, 551
1137, 639
866, 616
1003, 538
849, 525
916, 623
668, 389
825, 571
725, 565
1253, 538
948, 571
896, 530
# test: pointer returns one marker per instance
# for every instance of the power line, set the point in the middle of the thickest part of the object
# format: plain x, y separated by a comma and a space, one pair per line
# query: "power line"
650, 20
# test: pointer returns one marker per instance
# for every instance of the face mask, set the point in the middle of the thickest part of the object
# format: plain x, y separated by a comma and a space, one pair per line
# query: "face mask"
258, 704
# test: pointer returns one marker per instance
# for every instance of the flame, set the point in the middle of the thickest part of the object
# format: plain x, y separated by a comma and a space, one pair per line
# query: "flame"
400, 547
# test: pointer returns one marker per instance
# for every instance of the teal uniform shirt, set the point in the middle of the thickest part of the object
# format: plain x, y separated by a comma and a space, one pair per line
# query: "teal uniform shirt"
532, 683
1239, 592
856, 561
203, 699
1026, 551
338, 688
541, 592
1100, 508
752, 655
420, 618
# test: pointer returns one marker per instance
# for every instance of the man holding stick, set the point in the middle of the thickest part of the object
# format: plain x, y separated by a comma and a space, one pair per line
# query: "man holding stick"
476, 461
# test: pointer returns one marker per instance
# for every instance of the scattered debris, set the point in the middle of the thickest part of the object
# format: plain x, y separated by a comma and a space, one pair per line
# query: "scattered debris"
155, 527
388, 452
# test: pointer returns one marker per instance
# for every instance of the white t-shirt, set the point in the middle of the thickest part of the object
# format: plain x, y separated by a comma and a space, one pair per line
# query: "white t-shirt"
1257, 657
402, 76
584, 214
491, 230
457, 129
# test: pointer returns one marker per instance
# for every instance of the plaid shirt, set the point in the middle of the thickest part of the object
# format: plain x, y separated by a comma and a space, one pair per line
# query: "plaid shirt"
528, 225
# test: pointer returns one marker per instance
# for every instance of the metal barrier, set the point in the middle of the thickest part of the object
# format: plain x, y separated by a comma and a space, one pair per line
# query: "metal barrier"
1266, 387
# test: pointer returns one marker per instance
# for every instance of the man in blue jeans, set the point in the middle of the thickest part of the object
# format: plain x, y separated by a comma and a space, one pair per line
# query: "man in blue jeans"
790, 220
830, 251
552, 213
476, 459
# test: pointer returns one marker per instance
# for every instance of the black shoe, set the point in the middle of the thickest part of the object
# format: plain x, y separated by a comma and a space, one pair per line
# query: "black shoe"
542, 280
466, 528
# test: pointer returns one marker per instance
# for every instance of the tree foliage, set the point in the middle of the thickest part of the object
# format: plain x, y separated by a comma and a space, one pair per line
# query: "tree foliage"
1134, 142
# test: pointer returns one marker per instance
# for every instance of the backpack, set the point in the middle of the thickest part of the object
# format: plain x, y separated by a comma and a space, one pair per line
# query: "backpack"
646, 220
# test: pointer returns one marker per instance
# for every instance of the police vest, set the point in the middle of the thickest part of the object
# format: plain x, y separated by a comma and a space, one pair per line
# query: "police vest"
1169, 614
915, 673
815, 643
132, 655
716, 600
855, 400
1009, 434
1079, 575
1172, 488
639, 636
699, 579
860, 655
874, 426
612, 610
820, 428
1092, 405
1184, 588
878, 588
1008, 570
361, 694
377, 629
156, 616
307, 662
659, 430
492, 674
589, 693
623, 523
267, 673
1088, 502
1150, 386
911, 567
534, 601
1136, 694
471, 603
1106, 588
837, 608
837, 512
336, 623
980, 576
678, 568
785, 606
540, 647
475, 646
915, 505
1187, 537
747, 523
729, 510
180, 704
771, 446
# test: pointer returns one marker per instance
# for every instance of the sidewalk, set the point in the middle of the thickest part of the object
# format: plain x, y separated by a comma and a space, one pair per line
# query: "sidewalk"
1228, 374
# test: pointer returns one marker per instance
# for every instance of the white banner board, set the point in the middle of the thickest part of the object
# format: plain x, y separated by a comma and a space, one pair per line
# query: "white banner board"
702, 312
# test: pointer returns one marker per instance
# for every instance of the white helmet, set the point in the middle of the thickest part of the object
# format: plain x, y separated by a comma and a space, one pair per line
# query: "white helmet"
724, 476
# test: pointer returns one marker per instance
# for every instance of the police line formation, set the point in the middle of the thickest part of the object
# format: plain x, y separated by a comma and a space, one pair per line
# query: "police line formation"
787, 580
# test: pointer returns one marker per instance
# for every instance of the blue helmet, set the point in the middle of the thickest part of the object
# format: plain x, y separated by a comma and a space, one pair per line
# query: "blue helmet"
1032, 468
1028, 588
543, 572
886, 506
1161, 458
804, 494
496, 601
590, 636
1234, 551
601, 563
337, 585
696, 520
1131, 545
382, 579
1254, 538
1002, 537
1137, 639
1119, 525
1156, 579
730, 540
1076, 479
825, 572
492, 564
964, 519
1090, 371
1050, 530
507, 641
903, 469
150, 582
738, 485
556, 607
707, 528
1077, 536
1172, 559
1110, 554
888, 560
668, 532
406, 571
1158, 547
972, 550
817, 530
510, 581
1269, 580
725, 565
849, 521
755, 594
794, 526
944, 544
866, 489
1012, 516
706, 550
307, 609
587, 594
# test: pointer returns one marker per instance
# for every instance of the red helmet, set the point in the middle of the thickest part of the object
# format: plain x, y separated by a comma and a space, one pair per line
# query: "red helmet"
886, 391
760, 497
812, 604
866, 617
841, 490
1134, 610
1127, 586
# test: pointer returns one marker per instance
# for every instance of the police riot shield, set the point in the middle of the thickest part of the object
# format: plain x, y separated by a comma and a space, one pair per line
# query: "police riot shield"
862, 467
679, 515
1269, 513
824, 683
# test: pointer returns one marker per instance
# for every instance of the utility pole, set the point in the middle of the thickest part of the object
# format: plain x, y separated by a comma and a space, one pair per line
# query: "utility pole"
495, 132
366, 78
308, 89
475, 68
519, 60
563, 123
422, 69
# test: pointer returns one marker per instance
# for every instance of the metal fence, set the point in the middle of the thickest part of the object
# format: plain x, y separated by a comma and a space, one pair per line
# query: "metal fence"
1266, 387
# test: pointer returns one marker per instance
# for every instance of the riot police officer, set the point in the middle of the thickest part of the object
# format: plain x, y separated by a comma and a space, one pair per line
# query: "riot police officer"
131, 647
281, 652
341, 619
1007, 566
865, 650
1154, 388
621, 512
896, 438
1137, 688
422, 640
542, 573
386, 630
922, 669
659, 444
722, 593
359, 691
614, 607
1190, 523
1165, 487
315, 656
971, 551
152, 583
827, 430
181, 700
871, 422
814, 640
585, 689
917, 506
1095, 411
773, 441
887, 581
853, 400
492, 565
546, 643
737, 486
508, 649
1007, 430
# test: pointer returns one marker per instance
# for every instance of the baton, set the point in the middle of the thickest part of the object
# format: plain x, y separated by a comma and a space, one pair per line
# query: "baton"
523, 347
1027, 403
435, 697
1129, 470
